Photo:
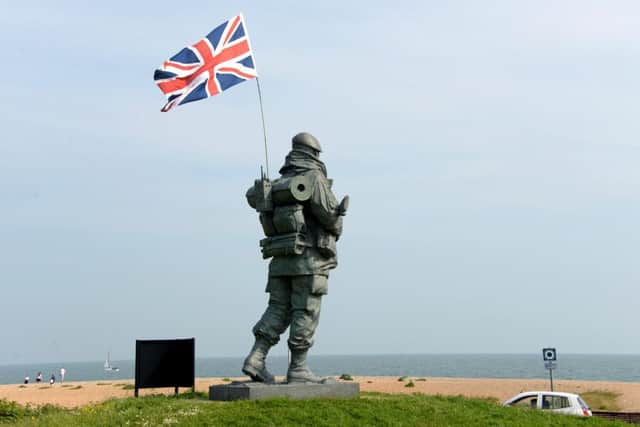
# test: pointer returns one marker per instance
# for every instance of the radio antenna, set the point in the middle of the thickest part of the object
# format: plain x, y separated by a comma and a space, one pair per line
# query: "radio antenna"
264, 130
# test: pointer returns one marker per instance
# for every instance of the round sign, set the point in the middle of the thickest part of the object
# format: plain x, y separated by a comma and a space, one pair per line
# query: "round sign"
548, 354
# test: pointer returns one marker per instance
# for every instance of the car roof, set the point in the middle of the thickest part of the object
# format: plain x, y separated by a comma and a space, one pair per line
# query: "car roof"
552, 393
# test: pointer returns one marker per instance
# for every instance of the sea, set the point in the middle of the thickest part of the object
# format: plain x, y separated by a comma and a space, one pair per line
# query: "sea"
599, 367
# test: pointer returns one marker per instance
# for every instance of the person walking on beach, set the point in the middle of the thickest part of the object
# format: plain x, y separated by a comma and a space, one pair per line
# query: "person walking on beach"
26, 379
52, 380
39, 377
62, 373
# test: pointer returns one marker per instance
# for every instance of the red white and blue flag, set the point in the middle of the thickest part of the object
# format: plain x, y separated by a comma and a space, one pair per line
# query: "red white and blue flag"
220, 60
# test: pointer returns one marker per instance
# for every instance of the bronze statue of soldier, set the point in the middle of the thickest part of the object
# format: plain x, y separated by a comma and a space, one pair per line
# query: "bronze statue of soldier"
302, 220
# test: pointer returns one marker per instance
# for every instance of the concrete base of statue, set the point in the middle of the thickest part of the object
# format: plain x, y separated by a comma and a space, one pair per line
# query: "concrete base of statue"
250, 390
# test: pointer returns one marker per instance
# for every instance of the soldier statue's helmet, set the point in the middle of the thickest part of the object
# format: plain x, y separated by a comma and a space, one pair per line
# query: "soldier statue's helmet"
304, 139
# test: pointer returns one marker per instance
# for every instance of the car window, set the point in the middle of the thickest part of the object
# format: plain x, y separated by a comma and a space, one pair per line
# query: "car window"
526, 402
583, 404
555, 402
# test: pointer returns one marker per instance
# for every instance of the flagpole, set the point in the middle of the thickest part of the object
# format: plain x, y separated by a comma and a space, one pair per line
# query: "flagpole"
264, 129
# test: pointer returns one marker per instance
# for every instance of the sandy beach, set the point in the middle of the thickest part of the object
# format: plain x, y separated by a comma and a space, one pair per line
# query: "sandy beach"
74, 394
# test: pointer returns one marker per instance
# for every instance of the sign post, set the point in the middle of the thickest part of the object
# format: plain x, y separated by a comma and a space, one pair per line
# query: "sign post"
549, 357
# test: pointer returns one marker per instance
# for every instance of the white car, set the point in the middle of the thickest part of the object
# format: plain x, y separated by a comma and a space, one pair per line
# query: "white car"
553, 401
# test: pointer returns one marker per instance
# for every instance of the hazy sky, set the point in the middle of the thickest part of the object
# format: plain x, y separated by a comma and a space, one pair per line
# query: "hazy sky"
491, 151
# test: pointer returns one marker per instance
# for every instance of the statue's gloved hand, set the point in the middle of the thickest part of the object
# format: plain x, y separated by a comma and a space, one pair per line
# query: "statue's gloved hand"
343, 206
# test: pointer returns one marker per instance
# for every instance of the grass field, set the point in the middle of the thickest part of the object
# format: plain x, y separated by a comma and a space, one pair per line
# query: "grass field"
370, 409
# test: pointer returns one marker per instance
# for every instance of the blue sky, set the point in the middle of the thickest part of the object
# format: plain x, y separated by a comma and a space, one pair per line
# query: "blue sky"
490, 150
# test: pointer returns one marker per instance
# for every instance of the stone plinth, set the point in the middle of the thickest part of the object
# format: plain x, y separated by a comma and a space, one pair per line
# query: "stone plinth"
254, 390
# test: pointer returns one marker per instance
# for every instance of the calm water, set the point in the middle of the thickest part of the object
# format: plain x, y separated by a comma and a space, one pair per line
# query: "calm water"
570, 366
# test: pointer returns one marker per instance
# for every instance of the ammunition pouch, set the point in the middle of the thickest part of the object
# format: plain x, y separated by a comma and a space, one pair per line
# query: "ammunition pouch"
283, 245
283, 220
266, 220
288, 219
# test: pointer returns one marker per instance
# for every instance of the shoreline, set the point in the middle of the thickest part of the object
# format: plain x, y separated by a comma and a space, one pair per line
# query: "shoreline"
80, 393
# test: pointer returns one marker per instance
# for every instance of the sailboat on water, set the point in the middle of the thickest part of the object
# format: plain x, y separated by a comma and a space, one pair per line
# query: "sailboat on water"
107, 365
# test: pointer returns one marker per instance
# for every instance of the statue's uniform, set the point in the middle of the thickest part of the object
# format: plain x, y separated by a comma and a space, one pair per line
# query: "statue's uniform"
298, 282
297, 278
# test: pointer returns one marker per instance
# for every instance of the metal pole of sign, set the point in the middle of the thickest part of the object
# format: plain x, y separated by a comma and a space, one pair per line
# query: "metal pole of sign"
551, 377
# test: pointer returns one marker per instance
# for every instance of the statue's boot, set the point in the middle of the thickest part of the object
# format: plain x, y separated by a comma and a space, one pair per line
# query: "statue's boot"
299, 371
254, 364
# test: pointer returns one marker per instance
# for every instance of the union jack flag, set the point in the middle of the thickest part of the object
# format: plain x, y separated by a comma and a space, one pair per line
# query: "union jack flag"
220, 60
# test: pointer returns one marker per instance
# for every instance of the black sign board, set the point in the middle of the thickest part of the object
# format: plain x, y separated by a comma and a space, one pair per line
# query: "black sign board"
549, 354
165, 363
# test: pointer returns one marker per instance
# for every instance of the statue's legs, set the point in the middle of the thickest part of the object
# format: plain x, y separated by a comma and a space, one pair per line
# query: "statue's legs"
267, 331
277, 316
294, 301
306, 297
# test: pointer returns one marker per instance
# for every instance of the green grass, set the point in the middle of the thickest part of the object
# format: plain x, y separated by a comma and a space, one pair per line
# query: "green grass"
601, 400
128, 387
103, 383
410, 384
371, 409
11, 412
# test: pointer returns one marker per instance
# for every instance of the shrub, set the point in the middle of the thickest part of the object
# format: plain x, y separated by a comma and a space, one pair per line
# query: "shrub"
410, 384
346, 377
9, 411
